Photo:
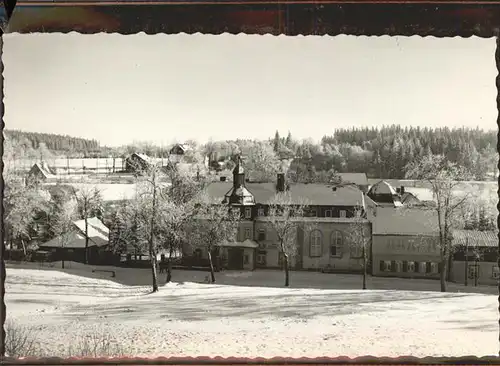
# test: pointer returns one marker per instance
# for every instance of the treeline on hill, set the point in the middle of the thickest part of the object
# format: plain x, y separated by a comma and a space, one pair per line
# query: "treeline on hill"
380, 152
32, 142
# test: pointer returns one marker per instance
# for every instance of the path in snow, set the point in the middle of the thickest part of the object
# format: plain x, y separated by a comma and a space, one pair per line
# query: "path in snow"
215, 320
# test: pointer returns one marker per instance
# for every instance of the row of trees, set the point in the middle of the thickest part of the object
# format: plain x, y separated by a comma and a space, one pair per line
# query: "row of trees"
35, 213
380, 152
53, 142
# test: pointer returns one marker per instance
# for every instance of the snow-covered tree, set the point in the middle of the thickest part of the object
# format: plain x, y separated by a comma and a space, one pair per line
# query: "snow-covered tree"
286, 216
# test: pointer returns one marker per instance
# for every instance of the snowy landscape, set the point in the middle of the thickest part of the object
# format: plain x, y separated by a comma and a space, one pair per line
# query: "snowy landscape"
193, 319
200, 197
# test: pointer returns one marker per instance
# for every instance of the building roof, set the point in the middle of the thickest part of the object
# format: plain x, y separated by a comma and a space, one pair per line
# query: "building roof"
42, 168
382, 188
239, 195
475, 238
384, 194
359, 179
98, 235
403, 221
408, 197
183, 147
97, 231
143, 157
314, 194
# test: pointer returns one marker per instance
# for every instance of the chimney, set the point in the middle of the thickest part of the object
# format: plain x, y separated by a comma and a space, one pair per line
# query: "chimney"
281, 185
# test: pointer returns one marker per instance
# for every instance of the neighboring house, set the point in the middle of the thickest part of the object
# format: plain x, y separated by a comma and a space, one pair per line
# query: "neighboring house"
481, 248
177, 152
41, 172
359, 179
72, 247
137, 162
329, 213
405, 242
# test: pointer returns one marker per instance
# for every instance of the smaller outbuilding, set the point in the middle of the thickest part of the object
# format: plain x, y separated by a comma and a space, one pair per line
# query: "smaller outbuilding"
71, 245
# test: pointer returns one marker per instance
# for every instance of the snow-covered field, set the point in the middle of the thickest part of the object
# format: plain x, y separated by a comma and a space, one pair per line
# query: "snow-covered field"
192, 319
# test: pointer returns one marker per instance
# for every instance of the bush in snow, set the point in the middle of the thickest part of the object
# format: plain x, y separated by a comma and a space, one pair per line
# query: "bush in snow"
20, 341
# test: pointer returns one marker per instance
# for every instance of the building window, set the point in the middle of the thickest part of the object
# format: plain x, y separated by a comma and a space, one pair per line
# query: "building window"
342, 213
248, 233
336, 244
260, 212
433, 268
248, 212
385, 266
314, 213
328, 213
261, 258
422, 266
246, 259
315, 244
410, 267
262, 234
398, 266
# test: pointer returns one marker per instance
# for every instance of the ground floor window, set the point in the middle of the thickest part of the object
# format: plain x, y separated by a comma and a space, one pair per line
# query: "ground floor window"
495, 272
385, 266
246, 259
261, 258
399, 266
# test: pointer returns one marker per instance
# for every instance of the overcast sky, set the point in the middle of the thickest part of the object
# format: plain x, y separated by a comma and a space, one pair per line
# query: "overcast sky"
119, 89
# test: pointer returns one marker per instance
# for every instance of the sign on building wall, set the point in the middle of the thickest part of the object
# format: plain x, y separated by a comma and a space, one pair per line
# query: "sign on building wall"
411, 245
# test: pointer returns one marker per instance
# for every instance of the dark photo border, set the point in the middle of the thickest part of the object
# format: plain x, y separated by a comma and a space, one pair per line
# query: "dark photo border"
322, 17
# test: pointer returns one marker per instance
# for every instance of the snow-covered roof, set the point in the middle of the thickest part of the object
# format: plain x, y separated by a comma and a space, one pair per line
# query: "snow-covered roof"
98, 235
382, 187
475, 238
359, 179
97, 231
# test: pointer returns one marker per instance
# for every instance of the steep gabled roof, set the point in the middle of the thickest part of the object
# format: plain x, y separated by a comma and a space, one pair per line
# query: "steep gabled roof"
98, 235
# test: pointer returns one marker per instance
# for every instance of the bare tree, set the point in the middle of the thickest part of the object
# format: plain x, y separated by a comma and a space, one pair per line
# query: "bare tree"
213, 224
445, 179
89, 205
360, 240
286, 215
